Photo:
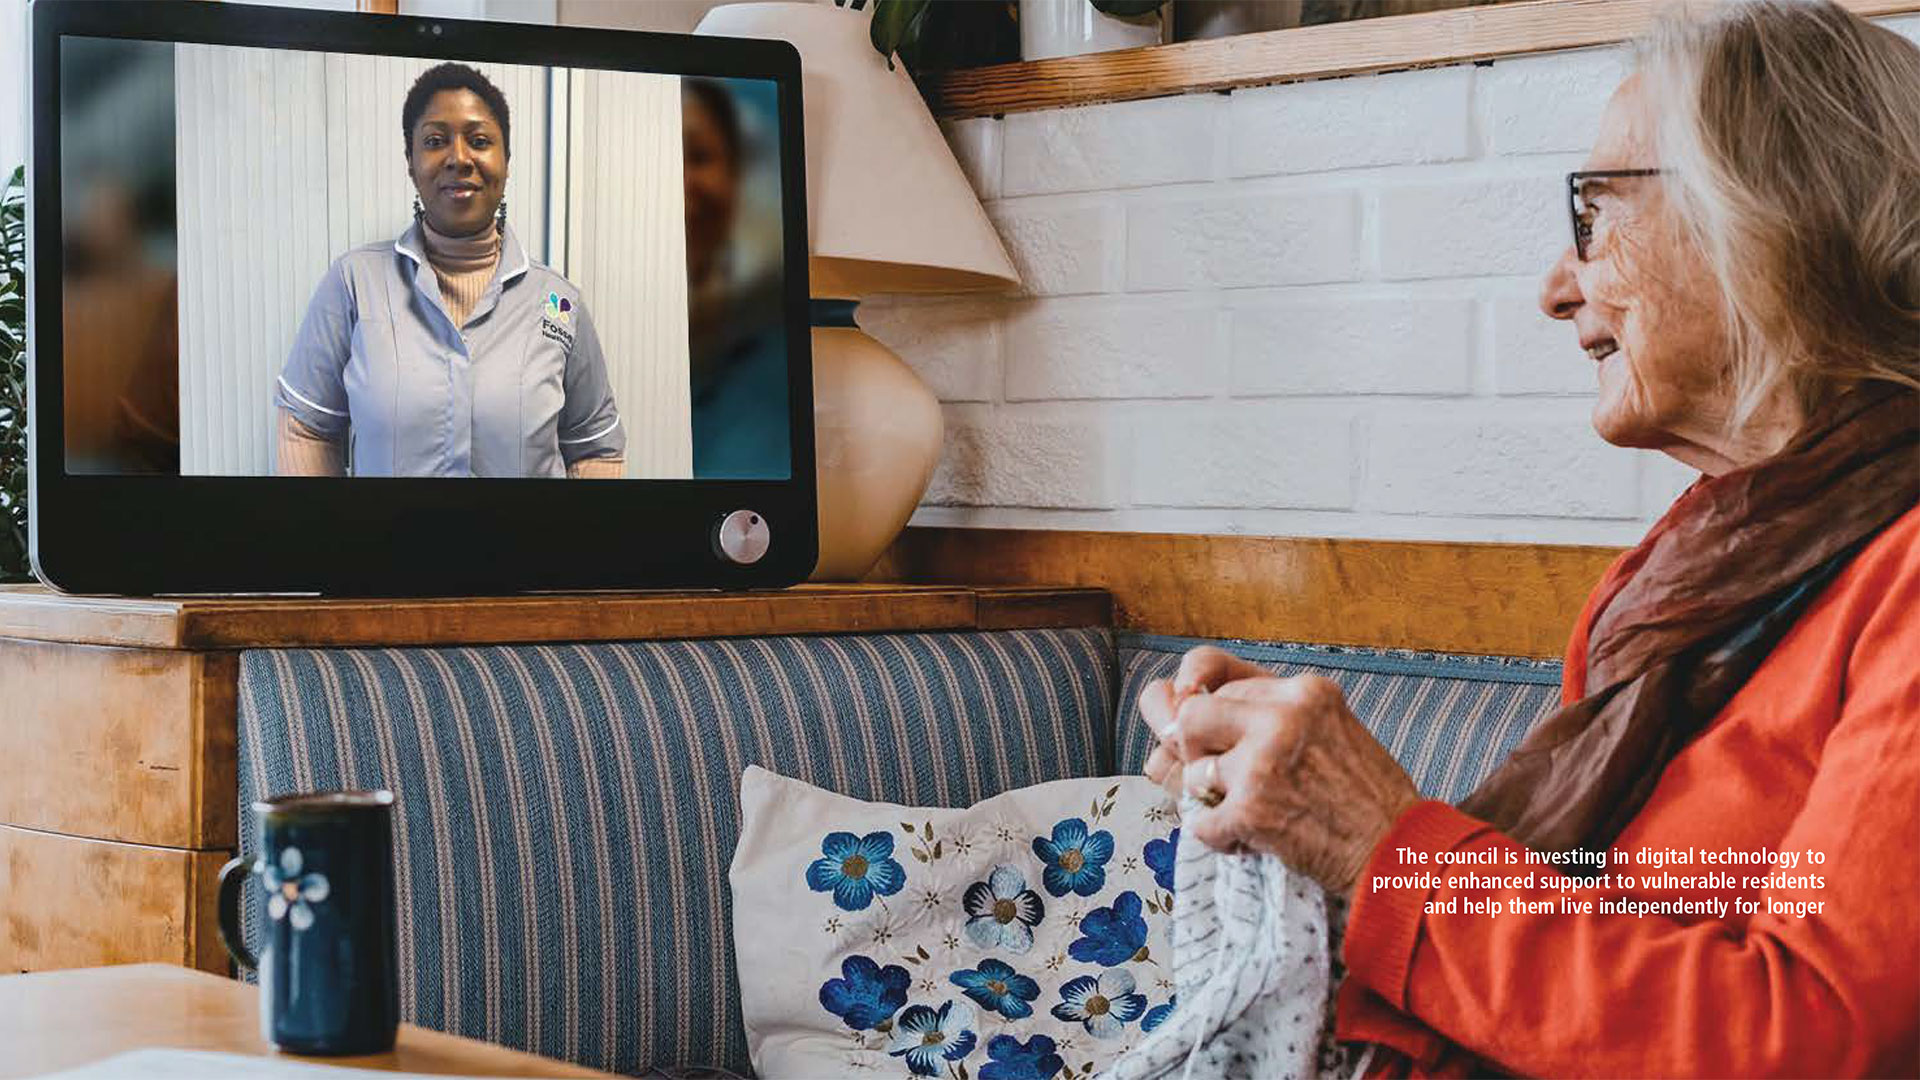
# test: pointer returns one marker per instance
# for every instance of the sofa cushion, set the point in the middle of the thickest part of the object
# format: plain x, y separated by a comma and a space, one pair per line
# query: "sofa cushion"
566, 814
1448, 719
881, 939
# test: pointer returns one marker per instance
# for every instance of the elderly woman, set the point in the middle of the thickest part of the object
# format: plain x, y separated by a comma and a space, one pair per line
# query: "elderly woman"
449, 352
1745, 277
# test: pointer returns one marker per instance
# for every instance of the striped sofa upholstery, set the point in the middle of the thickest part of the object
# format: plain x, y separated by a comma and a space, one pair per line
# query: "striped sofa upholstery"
1447, 719
566, 814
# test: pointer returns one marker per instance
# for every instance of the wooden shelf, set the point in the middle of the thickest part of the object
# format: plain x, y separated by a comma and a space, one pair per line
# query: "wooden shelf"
39, 614
1310, 52
1504, 599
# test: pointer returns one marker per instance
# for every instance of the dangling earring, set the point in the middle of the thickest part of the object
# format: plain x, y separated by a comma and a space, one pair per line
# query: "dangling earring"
418, 210
500, 219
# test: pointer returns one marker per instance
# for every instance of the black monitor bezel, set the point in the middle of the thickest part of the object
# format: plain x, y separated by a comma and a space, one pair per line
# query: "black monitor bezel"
148, 535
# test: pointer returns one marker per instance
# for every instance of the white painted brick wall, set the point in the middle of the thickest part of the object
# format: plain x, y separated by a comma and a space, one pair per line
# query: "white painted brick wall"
1349, 123
1342, 346
1472, 226
1305, 309
1132, 347
1549, 103
1907, 26
976, 144
954, 345
1267, 455
1062, 248
1533, 354
1277, 237
1130, 144
1027, 458
1499, 461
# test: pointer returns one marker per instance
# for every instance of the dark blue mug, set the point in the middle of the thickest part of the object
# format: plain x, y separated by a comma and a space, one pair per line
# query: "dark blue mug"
329, 983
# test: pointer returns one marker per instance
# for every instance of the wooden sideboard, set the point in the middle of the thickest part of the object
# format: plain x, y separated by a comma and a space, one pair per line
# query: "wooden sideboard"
118, 791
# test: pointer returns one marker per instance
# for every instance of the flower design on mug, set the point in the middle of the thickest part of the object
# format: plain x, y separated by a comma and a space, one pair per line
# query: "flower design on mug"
292, 893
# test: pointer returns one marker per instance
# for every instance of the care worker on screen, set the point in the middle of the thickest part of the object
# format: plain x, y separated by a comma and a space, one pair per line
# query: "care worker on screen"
449, 352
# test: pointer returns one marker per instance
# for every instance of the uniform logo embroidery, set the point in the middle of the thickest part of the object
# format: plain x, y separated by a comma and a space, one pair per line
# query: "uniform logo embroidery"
556, 319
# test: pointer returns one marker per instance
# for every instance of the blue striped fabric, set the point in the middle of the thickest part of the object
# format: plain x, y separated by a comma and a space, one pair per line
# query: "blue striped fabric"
1448, 719
567, 813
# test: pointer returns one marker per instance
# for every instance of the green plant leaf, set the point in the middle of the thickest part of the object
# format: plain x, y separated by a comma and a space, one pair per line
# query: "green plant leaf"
897, 25
13, 378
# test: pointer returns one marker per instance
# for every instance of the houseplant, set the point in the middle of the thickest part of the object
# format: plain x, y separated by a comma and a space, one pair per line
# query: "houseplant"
13, 379
933, 36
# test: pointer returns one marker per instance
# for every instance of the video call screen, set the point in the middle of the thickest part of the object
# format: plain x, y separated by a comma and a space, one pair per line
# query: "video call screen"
329, 264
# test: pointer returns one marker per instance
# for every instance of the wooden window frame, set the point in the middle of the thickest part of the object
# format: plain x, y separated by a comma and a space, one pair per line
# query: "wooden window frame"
1387, 43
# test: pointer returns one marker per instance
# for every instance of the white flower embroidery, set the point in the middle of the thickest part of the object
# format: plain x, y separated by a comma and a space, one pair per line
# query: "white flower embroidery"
292, 893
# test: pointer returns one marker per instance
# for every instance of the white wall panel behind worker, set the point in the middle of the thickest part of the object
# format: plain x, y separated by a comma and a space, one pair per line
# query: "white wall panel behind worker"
252, 195
626, 250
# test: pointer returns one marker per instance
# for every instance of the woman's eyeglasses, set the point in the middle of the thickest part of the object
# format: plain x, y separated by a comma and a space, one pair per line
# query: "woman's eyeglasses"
1582, 210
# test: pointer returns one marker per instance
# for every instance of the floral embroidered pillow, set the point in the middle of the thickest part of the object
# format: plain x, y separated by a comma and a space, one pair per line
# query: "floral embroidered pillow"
1023, 938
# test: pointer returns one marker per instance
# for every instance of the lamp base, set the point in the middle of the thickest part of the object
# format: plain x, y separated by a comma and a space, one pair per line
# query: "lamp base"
877, 431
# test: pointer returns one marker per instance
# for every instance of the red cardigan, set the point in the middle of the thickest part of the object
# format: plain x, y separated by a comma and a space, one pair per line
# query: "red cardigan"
1820, 750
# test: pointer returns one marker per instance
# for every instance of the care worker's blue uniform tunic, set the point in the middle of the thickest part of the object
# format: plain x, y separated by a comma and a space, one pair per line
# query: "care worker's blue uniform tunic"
520, 390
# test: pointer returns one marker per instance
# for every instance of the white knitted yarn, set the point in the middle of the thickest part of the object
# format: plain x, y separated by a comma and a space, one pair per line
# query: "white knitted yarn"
1251, 971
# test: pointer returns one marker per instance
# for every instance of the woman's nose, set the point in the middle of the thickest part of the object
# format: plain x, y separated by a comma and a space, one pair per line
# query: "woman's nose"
1560, 289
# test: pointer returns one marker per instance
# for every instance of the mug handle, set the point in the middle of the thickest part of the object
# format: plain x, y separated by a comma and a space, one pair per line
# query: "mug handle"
233, 877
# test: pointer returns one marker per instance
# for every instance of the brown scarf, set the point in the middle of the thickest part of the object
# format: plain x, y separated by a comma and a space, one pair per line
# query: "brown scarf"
1694, 610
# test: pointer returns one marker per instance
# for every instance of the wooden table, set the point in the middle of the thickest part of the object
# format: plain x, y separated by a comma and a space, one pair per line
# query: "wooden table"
118, 792
64, 1019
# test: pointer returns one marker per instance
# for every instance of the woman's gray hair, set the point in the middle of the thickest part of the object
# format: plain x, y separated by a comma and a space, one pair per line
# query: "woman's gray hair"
1790, 132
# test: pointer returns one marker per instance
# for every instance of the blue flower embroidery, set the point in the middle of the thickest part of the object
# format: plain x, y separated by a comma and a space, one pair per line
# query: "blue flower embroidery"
1002, 911
1076, 860
1159, 855
292, 894
1111, 936
926, 1037
1159, 1013
996, 987
1104, 1005
1013, 1060
855, 868
868, 995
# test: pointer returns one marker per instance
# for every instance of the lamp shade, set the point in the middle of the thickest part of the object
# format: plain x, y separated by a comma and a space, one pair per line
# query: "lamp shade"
888, 208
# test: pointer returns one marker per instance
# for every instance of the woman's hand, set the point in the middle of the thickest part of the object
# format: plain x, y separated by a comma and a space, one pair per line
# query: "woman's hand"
1202, 670
1302, 778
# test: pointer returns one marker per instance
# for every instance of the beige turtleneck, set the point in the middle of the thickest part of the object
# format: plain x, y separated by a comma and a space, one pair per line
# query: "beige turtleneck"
464, 266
